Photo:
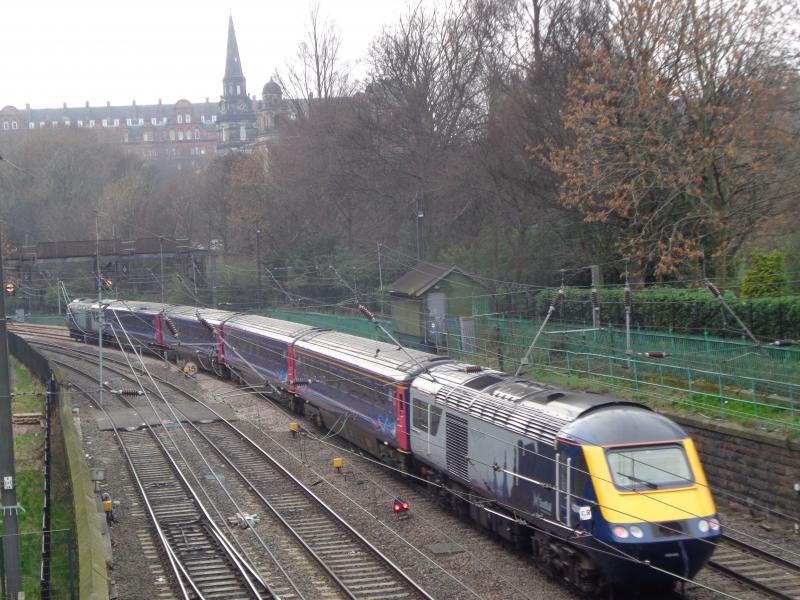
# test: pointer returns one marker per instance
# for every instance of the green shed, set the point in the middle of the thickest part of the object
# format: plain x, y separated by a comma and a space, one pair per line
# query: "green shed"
434, 306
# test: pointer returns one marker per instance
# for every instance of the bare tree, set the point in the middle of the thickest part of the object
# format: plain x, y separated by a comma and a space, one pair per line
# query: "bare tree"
318, 72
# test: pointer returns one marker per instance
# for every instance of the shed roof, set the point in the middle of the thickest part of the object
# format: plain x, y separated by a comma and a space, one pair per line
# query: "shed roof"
422, 277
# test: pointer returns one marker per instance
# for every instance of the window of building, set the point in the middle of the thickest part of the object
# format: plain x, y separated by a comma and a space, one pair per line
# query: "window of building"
153, 121
202, 150
67, 123
41, 124
147, 137
105, 122
238, 90
125, 138
242, 132
213, 118
14, 125
197, 134
5, 125
180, 135
31, 125
91, 122
129, 122
54, 123
202, 118
188, 118
116, 122
141, 121
80, 123
180, 118
172, 134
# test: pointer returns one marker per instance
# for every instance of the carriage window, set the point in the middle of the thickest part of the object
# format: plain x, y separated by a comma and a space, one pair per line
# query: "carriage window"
423, 414
420, 420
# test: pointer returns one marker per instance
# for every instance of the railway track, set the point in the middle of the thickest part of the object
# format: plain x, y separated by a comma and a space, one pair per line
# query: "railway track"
203, 562
359, 570
46, 331
757, 568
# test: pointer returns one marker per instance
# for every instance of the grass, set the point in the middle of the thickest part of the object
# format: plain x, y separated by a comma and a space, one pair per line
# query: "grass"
735, 405
29, 459
29, 392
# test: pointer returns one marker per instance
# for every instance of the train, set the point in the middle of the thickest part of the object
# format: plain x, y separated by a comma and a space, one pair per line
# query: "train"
604, 492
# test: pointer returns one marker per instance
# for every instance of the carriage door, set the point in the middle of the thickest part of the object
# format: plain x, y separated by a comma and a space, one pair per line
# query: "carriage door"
564, 482
571, 483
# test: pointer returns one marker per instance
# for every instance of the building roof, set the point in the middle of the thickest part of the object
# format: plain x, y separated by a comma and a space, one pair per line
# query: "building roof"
422, 277
132, 111
271, 87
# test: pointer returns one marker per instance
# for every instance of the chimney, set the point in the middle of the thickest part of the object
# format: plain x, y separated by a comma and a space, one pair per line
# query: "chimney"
108, 103
27, 106
134, 102
206, 99
87, 104
159, 100
65, 105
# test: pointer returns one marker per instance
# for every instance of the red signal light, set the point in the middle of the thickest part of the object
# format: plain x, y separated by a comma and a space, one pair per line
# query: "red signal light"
400, 506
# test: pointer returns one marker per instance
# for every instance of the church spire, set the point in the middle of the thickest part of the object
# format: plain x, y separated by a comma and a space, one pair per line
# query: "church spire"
236, 121
233, 66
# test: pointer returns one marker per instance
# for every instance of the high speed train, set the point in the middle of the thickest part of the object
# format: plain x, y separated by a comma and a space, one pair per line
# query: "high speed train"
605, 492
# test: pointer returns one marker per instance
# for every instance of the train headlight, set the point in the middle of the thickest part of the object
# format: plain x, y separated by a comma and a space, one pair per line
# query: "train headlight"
714, 524
636, 531
620, 532
702, 525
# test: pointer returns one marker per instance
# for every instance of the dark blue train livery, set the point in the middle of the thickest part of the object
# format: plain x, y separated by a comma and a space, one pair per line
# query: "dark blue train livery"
604, 492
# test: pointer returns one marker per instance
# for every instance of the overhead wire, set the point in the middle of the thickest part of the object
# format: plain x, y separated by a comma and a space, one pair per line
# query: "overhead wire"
353, 381
200, 454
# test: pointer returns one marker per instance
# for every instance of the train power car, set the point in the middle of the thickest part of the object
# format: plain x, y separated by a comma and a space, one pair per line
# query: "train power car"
608, 491
604, 491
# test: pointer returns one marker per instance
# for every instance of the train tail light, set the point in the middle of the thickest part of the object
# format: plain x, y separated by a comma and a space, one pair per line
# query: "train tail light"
400, 506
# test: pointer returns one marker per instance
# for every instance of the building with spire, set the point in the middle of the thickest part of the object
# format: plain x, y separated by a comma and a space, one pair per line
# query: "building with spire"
236, 121
184, 132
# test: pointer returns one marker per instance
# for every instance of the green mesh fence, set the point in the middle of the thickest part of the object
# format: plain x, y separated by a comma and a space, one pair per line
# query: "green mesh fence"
717, 377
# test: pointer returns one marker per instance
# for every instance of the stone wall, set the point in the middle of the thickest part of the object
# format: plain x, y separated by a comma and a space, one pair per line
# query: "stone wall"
747, 468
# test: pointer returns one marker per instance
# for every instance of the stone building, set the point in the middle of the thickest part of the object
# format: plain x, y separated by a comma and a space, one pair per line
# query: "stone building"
183, 131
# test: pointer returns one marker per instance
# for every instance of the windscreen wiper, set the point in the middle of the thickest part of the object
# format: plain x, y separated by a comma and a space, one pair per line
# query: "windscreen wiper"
649, 484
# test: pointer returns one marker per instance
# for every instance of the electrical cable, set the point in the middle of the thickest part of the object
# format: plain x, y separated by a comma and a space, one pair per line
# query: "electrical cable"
179, 422
357, 383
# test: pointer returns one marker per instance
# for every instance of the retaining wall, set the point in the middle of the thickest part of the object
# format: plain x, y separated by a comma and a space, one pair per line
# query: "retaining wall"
749, 468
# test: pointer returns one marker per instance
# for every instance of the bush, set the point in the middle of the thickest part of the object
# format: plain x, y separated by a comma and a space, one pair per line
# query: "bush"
681, 310
766, 275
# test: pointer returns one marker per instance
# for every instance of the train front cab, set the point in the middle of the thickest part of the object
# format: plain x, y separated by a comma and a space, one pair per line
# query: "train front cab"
647, 494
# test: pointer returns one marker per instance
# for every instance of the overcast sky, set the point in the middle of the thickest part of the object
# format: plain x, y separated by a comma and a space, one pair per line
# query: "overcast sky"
54, 51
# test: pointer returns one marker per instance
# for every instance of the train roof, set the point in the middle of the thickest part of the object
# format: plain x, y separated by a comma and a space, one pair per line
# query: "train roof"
285, 331
383, 359
615, 424
214, 316
151, 308
527, 407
